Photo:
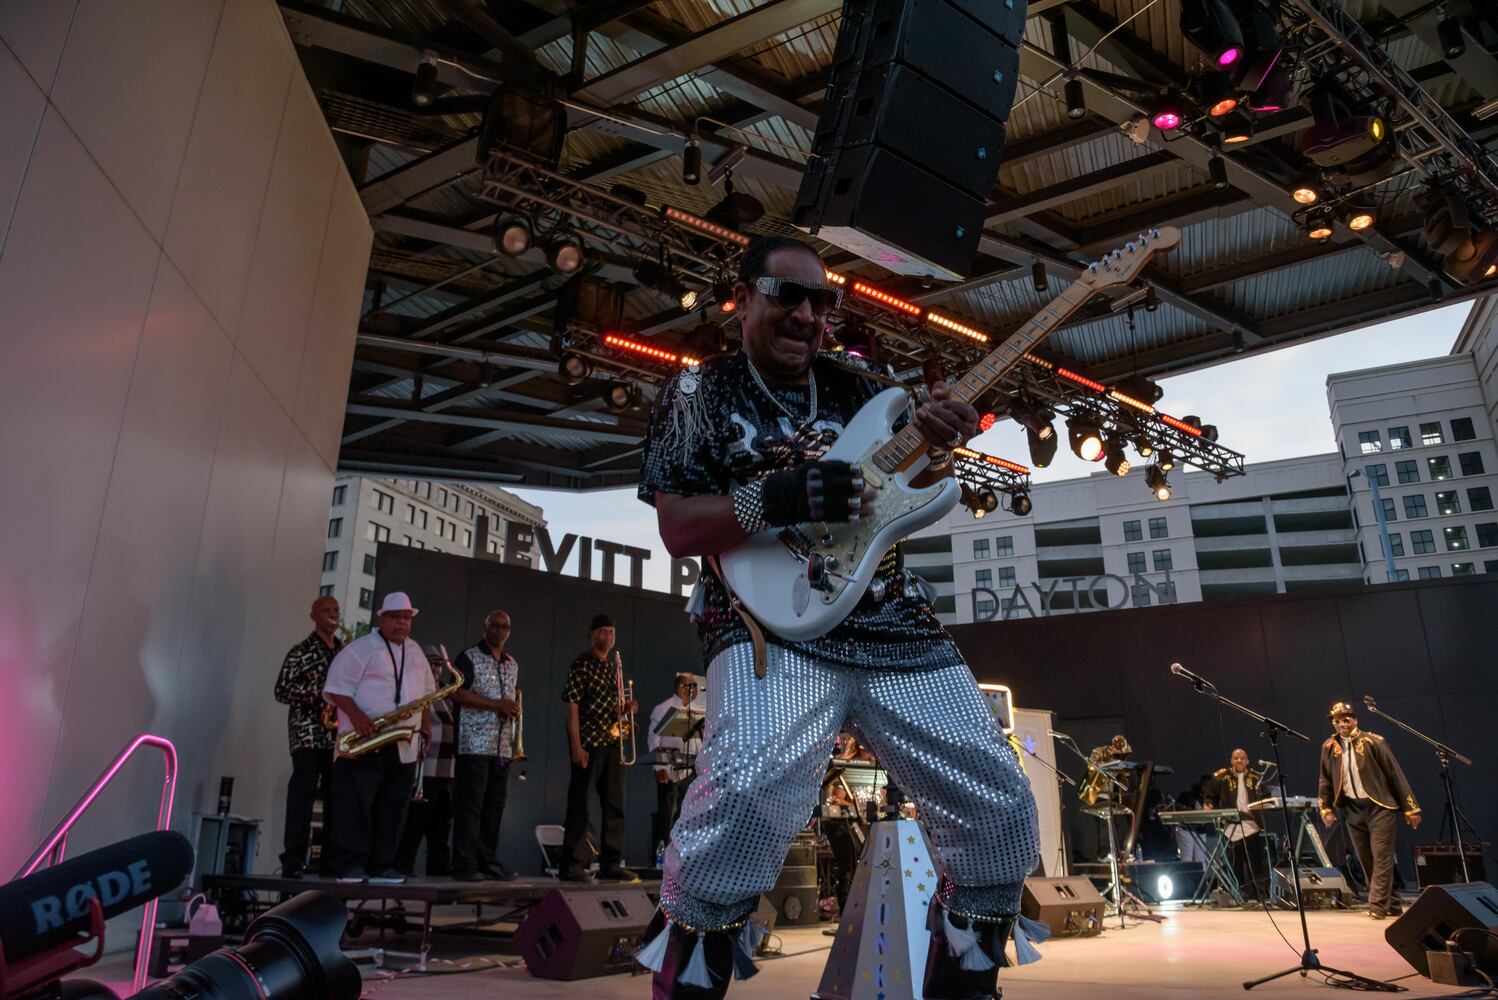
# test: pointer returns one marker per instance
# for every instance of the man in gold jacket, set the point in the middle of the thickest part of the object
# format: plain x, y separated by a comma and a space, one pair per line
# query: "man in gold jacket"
1359, 774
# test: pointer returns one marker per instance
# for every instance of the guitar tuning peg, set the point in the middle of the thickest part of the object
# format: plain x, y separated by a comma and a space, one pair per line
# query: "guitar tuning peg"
1129, 246
1092, 267
1154, 232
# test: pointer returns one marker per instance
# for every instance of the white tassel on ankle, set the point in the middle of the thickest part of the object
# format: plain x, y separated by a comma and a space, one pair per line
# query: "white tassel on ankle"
653, 955
963, 944
696, 974
1026, 932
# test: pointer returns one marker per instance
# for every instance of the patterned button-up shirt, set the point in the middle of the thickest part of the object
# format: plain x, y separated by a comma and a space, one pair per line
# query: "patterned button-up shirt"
592, 684
481, 732
299, 686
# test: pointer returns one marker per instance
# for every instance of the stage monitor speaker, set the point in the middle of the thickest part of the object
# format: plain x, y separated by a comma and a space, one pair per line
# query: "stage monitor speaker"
794, 897
1440, 912
581, 933
1437, 864
1324, 888
1068, 906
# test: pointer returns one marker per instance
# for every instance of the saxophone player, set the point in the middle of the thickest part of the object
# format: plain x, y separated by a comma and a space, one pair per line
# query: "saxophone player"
594, 708
373, 675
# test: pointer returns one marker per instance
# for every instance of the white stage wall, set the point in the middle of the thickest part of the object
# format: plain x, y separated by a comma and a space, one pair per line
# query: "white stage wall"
1032, 727
182, 258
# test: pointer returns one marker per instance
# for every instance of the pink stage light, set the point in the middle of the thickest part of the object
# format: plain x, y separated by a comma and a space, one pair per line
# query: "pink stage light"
1167, 120
1228, 56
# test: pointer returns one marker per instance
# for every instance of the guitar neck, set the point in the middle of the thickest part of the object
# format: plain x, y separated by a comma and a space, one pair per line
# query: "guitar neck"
909, 444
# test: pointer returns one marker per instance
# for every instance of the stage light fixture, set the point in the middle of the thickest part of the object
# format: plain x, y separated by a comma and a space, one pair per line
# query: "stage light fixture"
1217, 93
1142, 388
1211, 25
1166, 461
989, 501
723, 296
564, 252
1273, 90
512, 234
970, 501
1114, 459
1020, 504
691, 161
1307, 189
1143, 445
986, 421
1358, 218
736, 211
1029, 416
619, 396
1473, 260
1217, 169
1237, 131
1076, 99
1318, 225
1042, 449
705, 341
1086, 439
424, 90
574, 369
1449, 32
1209, 432
1155, 479
1038, 279
1168, 111
1164, 888
660, 278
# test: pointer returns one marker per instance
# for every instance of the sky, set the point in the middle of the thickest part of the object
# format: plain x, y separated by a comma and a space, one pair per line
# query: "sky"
1269, 405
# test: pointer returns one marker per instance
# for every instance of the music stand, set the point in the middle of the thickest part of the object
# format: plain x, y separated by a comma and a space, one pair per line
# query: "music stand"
1273, 728
682, 723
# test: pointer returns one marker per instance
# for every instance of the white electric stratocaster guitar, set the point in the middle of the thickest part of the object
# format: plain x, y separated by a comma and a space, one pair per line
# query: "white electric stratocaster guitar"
800, 582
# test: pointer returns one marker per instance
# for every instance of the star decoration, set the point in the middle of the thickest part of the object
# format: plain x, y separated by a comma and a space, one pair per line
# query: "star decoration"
907, 873
909, 840
920, 887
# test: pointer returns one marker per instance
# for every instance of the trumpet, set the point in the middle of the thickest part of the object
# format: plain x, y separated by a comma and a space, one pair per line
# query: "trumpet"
330, 712
387, 727
517, 735
623, 728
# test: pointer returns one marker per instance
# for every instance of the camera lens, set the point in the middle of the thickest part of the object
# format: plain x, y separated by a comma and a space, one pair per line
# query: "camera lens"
289, 952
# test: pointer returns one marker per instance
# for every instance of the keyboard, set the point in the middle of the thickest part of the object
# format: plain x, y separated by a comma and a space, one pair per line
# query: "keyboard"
1291, 802
1196, 816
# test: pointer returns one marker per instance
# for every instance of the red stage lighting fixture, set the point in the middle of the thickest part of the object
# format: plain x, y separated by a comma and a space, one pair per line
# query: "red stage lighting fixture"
1211, 25
1168, 111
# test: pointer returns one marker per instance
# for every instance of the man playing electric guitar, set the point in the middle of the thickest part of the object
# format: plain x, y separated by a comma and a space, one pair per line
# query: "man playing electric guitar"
733, 448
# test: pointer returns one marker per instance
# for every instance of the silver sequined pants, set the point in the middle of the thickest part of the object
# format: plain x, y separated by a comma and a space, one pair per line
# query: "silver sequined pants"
765, 750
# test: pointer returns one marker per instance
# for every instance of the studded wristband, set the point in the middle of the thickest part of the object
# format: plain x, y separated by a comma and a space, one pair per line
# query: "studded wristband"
749, 506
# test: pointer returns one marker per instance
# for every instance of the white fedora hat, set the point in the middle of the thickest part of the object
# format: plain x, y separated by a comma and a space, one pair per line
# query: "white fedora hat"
397, 600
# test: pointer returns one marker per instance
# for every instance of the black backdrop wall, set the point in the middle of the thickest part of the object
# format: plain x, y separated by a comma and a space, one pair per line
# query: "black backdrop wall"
1423, 650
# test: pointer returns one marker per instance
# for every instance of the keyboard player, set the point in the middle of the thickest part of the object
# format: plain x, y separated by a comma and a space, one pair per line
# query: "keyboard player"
1234, 787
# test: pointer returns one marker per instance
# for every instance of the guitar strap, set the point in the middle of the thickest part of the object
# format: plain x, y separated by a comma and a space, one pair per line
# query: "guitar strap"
756, 634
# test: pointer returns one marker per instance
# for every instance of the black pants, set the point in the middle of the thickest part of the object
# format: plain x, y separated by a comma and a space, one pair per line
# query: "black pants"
430, 820
478, 805
311, 774
606, 774
370, 794
668, 799
1250, 866
1371, 828
844, 844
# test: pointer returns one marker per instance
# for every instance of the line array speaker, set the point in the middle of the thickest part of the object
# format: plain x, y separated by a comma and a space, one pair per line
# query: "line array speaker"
907, 154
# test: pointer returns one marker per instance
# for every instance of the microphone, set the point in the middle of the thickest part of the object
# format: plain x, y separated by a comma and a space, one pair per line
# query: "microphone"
1265, 763
50, 907
1055, 735
1368, 700
1196, 679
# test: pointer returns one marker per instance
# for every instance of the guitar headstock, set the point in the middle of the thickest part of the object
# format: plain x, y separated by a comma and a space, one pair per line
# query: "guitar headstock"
1122, 266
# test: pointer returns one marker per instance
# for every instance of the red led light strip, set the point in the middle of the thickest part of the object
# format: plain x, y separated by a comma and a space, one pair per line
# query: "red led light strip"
887, 299
1067, 373
1180, 425
711, 228
649, 350
834, 278
1002, 463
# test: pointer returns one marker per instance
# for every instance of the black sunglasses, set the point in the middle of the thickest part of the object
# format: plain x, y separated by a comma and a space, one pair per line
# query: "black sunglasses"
790, 293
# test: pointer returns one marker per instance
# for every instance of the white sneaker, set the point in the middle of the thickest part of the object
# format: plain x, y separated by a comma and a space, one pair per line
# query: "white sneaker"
387, 878
353, 878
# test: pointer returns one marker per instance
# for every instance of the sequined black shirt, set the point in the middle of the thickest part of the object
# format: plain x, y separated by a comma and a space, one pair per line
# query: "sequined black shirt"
714, 428
299, 686
594, 685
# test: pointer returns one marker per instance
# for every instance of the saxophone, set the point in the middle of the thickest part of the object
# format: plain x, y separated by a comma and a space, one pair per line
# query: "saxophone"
388, 730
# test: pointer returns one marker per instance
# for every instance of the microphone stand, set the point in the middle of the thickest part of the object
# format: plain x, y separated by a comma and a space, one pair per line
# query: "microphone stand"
1115, 882
1444, 753
1061, 778
1309, 962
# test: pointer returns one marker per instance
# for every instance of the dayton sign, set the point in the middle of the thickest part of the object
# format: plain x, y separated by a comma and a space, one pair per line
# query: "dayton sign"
1097, 591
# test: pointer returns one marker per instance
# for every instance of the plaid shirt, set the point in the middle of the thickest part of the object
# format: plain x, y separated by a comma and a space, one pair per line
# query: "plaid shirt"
299, 686
594, 686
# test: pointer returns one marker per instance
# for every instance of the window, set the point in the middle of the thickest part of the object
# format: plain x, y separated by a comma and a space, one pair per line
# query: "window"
1448, 502
339, 492
1461, 429
984, 609
330, 562
326, 590
1003, 545
1158, 528
335, 527
1409, 472
410, 513
426, 490
1430, 572
1139, 595
423, 519
493, 547
470, 508
1396, 543
1431, 434
1490, 566
1399, 437
1133, 531
1487, 535
442, 497
1401, 574
1377, 473
482, 512
1456, 538
1463, 569
377, 532
1162, 559
1422, 542
1136, 562
980, 548
1414, 506
467, 539
405, 539
1006, 608
369, 565
1439, 467
1006, 576
384, 502
983, 578
1388, 505
1480, 498
1369, 442
366, 598
452, 531
1471, 463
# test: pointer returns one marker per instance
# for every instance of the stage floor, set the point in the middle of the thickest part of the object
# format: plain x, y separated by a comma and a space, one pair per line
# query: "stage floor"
1202, 955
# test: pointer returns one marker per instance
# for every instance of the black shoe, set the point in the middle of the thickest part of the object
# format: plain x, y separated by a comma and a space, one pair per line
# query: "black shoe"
498, 873
615, 873
946, 979
467, 877
575, 874
717, 949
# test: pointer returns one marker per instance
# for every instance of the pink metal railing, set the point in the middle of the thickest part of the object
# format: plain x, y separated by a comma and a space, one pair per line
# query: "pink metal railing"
55, 846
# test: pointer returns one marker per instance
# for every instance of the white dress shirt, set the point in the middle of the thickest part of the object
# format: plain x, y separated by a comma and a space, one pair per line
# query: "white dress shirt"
1244, 827
1352, 784
691, 746
365, 670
